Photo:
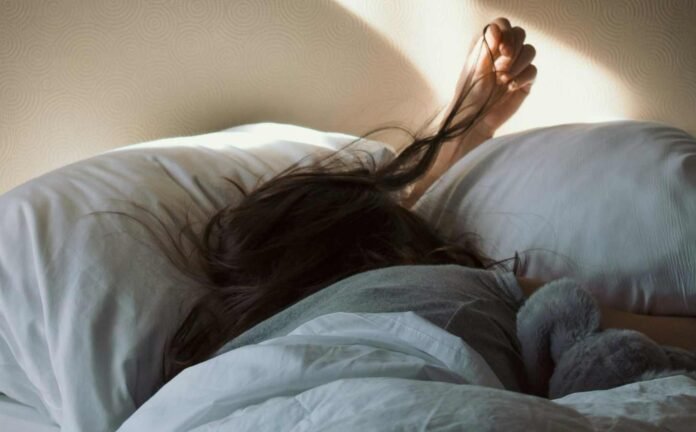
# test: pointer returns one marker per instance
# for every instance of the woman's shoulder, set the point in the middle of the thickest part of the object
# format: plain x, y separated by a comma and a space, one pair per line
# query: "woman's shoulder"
529, 285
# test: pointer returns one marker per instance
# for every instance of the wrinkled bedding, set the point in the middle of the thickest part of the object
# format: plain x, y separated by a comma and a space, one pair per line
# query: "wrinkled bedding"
388, 371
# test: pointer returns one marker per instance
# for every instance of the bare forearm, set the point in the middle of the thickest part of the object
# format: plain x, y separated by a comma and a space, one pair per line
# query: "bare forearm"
491, 88
450, 153
664, 330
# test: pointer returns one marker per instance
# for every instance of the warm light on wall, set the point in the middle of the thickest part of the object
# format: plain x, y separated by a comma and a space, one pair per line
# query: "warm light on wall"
571, 86
80, 77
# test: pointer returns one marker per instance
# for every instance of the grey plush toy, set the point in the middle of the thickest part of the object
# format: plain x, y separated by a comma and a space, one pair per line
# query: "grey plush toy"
565, 352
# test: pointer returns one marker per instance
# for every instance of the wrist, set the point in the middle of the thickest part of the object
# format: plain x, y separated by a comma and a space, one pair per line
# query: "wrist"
458, 148
450, 152
480, 133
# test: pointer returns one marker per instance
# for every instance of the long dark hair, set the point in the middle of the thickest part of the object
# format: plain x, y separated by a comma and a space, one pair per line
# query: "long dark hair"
308, 227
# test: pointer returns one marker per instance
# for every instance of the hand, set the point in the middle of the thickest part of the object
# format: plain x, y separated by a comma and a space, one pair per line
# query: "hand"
513, 79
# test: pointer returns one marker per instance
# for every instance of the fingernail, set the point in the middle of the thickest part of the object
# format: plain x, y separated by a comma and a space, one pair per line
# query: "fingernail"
513, 85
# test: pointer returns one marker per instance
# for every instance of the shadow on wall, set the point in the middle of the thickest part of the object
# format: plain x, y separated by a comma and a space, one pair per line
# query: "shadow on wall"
307, 63
79, 77
83, 76
650, 47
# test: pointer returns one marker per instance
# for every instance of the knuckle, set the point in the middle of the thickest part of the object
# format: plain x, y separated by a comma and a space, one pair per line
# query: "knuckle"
504, 21
520, 33
528, 52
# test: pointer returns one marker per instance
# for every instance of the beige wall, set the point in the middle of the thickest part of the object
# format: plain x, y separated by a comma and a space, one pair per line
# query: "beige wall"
78, 77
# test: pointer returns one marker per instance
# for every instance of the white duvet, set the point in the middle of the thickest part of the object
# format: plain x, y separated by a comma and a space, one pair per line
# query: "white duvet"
382, 372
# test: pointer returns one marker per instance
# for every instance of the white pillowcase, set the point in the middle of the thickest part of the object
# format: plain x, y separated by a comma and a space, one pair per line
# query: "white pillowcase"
612, 205
85, 308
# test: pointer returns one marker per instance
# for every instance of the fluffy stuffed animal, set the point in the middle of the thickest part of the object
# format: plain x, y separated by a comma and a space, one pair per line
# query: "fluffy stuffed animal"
564, 350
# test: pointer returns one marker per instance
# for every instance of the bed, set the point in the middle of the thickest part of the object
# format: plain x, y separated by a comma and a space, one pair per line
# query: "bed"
16, 417
95, 286
86, 303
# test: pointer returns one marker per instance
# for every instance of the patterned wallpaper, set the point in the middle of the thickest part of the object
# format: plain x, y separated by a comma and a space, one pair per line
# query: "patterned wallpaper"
78, 77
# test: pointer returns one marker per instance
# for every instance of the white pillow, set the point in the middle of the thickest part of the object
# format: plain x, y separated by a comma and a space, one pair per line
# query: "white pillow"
84, 308
612, 205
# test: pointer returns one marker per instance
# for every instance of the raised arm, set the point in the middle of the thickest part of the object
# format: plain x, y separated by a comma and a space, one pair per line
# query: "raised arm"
509, 70
450, 153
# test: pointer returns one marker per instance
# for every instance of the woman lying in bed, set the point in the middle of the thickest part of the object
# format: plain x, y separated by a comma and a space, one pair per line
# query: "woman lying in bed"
273, 262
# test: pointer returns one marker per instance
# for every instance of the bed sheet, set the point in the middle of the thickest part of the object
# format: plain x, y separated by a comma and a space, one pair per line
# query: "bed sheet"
389, 371
15, 417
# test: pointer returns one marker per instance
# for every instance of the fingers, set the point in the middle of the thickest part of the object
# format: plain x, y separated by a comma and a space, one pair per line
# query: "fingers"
494, 38
512, 57
525, 79
504, 25
516, 36
524, 59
